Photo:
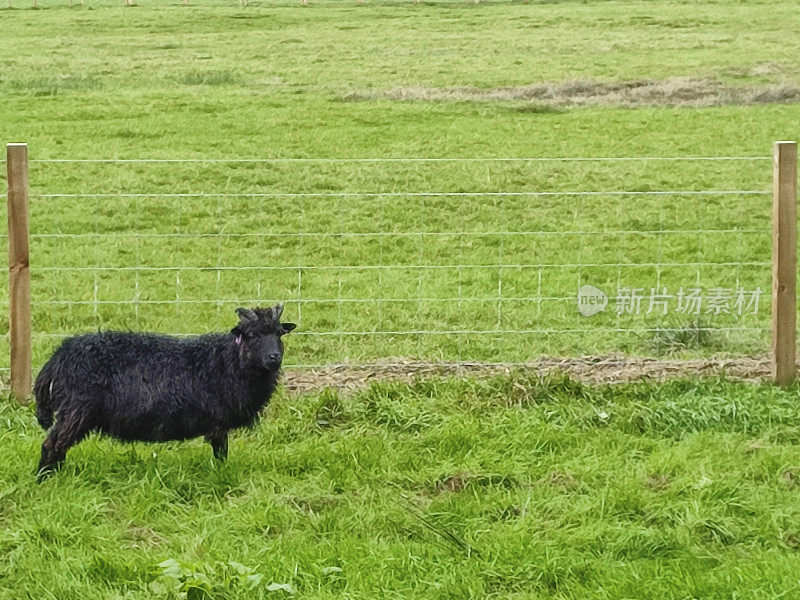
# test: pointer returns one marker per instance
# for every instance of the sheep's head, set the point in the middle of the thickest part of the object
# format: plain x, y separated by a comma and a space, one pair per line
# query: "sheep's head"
258, 336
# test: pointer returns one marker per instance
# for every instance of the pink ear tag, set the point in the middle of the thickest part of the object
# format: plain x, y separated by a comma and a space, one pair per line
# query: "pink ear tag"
239, 340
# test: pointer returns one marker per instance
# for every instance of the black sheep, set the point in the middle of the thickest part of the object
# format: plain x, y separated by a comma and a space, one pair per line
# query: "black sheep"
140, 386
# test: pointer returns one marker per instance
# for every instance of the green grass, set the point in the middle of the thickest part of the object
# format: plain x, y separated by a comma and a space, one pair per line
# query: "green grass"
273, 80
506, 487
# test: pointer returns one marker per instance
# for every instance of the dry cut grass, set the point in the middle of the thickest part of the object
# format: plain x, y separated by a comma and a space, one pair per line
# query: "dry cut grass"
673, 91
613, 369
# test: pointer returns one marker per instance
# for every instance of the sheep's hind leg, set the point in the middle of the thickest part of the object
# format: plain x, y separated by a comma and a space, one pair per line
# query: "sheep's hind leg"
219, 443
68, 430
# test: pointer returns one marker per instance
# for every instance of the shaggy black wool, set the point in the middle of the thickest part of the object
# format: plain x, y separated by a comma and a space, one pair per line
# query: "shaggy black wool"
150, 387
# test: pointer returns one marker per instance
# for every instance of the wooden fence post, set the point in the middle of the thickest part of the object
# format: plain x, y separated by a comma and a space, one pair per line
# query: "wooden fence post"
19, 276
784, 261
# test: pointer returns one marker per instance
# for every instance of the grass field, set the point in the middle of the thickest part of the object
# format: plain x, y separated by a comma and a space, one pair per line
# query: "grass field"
275, 80
508, 487
504, 488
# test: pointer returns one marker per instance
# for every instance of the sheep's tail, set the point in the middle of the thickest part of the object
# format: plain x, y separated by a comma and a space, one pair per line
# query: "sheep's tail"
43, 391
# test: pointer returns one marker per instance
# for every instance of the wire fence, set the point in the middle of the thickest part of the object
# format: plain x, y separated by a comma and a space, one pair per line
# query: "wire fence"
423, 259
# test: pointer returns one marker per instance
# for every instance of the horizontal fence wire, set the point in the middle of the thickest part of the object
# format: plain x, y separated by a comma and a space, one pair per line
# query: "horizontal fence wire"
598, 362
410, 159
419, 267
326, 300
346, 234
545, 361
463, 331
406, 194
223, 301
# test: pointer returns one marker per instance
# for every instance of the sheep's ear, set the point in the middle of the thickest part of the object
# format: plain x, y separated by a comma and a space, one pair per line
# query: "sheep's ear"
245, 315
287, 327
277, 311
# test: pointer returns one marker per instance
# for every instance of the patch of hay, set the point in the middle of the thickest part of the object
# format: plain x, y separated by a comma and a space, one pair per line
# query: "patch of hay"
675, 91
587, 369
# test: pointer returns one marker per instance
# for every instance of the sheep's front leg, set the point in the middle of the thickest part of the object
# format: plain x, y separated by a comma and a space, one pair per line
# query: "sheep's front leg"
219, 443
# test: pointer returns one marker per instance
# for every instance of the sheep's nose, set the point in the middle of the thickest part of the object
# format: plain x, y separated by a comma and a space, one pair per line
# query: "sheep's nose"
274, 358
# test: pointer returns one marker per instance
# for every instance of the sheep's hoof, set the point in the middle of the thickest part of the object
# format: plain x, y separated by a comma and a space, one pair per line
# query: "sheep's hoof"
44, 473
